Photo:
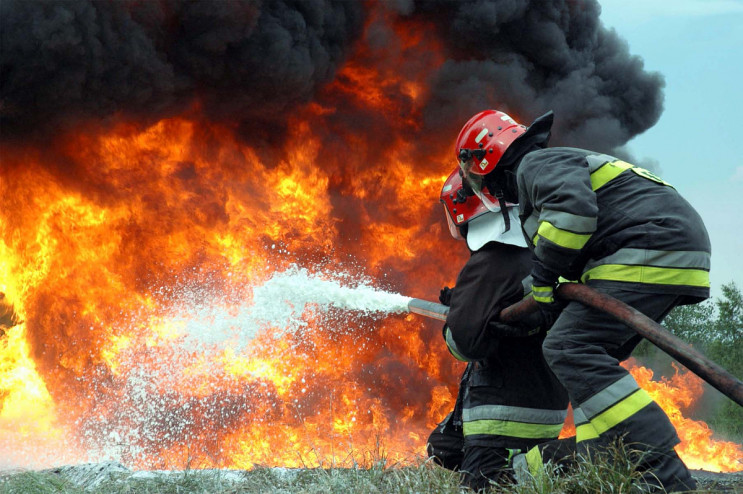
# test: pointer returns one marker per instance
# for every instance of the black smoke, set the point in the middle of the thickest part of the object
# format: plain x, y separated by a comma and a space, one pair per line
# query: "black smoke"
65, 62
252, 62
530, 56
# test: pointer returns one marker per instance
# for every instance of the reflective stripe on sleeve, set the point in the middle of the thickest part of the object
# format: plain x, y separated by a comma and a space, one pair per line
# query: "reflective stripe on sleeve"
453, 346
567, 221
526, 285
530, 227
563, 238
543, 294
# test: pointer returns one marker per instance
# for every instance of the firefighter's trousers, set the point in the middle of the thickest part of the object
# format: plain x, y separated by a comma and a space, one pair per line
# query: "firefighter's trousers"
583, 349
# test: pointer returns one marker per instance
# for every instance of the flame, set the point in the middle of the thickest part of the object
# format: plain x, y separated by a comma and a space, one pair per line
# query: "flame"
122, 249
677, 395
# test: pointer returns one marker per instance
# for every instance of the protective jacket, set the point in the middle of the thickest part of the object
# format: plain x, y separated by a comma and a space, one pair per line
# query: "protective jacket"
512, 399
608, 223
626, 232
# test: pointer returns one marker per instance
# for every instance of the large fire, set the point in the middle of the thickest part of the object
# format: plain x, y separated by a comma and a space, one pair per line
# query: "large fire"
113, 243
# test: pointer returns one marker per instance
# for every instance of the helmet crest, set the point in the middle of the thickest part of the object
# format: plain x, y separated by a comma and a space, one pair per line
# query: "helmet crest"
484, 139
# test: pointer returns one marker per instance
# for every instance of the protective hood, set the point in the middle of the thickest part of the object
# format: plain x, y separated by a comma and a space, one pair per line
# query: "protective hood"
536, 136
490, 228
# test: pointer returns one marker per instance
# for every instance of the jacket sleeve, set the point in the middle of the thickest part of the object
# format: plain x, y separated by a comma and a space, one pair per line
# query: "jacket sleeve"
556, 183
490, 280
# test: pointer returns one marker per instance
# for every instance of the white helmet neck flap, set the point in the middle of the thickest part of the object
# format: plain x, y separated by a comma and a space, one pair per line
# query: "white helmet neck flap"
490, 228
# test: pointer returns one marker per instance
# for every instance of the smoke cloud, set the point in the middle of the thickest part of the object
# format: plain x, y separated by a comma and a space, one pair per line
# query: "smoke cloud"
252, 61
68, 61
528, 57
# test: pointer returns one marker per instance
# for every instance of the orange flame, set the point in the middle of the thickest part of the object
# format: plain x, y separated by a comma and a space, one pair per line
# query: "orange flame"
120, 250
677, 395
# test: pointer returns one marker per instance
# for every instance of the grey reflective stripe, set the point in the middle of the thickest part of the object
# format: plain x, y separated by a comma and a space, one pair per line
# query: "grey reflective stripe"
514, 414
661, 258
609, 396
568, 221
453, 346
530, 226
579, 417
596, 161
526, 285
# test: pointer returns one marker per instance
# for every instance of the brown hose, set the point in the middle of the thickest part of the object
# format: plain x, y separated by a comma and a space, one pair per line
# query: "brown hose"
700, 365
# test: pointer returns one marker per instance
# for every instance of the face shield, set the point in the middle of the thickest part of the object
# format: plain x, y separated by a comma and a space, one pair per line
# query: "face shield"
452, 226
469, 161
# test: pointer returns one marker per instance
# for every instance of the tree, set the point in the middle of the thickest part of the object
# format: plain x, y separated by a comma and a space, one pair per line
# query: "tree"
715, 328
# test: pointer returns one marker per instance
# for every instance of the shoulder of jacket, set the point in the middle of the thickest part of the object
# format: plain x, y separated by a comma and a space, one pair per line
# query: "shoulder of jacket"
536, 159
557, 151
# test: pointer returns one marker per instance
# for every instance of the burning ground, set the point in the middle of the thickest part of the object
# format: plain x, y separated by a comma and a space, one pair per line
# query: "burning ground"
162, 159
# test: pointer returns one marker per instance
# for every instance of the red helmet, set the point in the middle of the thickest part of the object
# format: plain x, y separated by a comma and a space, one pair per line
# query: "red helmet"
484, 139
482, 142
460, 207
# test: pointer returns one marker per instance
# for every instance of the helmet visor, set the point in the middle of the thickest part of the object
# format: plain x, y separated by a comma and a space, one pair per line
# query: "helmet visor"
452, 226
476, 182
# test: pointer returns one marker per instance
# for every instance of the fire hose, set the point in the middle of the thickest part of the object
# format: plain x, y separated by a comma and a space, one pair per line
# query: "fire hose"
691, 358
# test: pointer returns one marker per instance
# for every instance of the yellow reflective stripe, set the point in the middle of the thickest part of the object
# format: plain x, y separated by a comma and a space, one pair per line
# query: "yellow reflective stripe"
457, 356
649, 175
535, 462
621, 411
563, 238
511, 429
453, 346
682, 259
530, 226
609, 171
585, 432
606, 173
543, 294
514, 414
648, 274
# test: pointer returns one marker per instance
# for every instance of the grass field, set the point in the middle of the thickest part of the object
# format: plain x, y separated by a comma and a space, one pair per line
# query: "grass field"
609, 475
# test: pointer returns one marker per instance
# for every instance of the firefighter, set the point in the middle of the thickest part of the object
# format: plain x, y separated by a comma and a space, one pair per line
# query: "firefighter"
618, 228
509, 400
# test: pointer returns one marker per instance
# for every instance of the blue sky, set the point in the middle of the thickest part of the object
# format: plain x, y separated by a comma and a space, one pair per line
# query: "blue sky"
697, 145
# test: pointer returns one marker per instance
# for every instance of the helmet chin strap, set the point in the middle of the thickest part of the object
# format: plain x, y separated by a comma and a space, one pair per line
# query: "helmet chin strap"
503, 209
510, 188
499, 188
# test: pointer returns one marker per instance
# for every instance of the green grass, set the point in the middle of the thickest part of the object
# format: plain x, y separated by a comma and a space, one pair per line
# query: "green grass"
609, 473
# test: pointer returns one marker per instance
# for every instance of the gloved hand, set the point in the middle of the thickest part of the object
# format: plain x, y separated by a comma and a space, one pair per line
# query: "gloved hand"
516, 330
544, 283
445, 295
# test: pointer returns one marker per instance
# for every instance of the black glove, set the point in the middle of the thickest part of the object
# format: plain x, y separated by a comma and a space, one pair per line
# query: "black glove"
517, 330
544, 283
445, 295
